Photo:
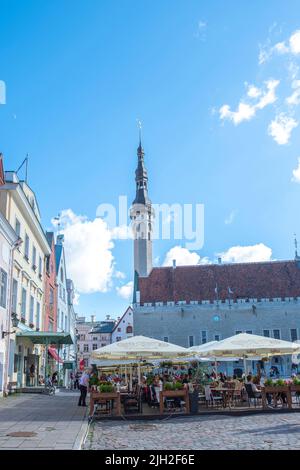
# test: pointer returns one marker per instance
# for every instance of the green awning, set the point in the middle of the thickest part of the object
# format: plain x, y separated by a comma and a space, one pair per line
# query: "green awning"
69, 365
46, 337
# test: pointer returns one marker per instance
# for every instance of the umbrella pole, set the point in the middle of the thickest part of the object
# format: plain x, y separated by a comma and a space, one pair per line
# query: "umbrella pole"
139, 373
130, 379
245, 366
126, 378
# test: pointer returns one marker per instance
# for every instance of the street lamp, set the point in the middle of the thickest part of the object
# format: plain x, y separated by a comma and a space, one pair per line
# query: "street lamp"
15, 322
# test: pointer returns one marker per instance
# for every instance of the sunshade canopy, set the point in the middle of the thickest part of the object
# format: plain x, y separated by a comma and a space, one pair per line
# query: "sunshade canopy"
139, 347
246, 345
46, 337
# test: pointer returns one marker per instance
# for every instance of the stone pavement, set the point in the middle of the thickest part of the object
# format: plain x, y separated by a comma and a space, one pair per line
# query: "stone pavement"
265, 431
52, 422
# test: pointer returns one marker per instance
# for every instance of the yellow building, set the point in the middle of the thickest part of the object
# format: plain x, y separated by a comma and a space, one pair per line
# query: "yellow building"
19, 206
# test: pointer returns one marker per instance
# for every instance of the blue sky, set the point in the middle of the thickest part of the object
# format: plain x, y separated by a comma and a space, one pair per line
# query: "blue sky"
79, 74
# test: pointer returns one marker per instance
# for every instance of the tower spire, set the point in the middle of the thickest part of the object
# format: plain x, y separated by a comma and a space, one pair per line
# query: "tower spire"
142, 215
296, 247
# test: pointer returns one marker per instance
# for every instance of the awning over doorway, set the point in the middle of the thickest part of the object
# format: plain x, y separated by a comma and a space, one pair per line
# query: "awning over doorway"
46, 337
54, 354
69, 365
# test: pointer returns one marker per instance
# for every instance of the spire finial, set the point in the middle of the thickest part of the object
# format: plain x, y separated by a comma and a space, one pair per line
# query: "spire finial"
139, 123
296, 246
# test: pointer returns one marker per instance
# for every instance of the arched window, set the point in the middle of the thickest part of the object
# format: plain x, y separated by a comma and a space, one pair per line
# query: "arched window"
129, 329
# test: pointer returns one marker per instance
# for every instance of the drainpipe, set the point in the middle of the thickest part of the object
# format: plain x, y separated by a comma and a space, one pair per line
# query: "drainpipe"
8, 322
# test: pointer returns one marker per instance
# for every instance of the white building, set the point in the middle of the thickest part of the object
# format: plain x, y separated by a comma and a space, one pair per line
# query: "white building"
8, 241
92, 335
124, 327
63, 312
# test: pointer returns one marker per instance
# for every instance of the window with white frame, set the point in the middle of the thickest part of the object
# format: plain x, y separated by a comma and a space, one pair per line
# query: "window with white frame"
266, 333
23, 303
31, 309
191, 341
217, 337
40, 266
203, 336
276, 334
95, 346
166, 339
34, 257
18, 227
14, 295
3, 288
38, 312
294, 334
26, 247
85, 348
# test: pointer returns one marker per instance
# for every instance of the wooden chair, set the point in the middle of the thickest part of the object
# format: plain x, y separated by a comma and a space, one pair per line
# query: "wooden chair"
133, 403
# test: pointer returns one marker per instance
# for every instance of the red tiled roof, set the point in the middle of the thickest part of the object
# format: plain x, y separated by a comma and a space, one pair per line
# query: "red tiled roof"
247, 280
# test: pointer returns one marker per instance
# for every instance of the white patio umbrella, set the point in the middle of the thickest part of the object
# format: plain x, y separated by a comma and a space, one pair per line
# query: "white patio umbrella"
249, 346
202, 348
139, 348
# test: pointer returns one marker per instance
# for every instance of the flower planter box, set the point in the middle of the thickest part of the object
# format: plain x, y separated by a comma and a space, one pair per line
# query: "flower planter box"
274, 391
98, 396
295, 388
277, 389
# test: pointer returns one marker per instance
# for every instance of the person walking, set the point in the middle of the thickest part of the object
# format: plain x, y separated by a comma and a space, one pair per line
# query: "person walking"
76, 381
83, 387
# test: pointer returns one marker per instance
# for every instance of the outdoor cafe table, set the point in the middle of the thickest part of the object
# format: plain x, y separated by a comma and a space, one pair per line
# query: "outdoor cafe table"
226, 392
184, 393
98, 396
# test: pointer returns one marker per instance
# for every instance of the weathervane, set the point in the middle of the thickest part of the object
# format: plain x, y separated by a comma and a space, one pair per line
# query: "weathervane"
139, 124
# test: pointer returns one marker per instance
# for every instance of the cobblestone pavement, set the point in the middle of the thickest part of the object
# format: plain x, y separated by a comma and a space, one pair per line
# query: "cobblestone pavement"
265, 431
52, 422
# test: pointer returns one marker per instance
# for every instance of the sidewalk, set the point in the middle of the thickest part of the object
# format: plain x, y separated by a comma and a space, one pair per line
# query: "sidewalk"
42, 421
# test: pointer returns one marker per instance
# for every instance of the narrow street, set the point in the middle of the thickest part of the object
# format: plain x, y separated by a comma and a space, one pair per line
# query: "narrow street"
35, 421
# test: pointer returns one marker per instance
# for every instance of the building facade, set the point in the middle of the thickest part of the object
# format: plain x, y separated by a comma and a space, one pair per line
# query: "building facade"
123, 328
8, 242
63, 311
50, 297
92, 335
19, 206
192, 305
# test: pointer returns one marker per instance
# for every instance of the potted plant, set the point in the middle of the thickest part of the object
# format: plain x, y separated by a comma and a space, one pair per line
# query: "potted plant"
106, 388
295, 385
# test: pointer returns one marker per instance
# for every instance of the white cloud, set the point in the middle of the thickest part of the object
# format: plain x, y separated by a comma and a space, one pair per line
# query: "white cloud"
294, 98
229, 220
295, 43
296, 173
291, 47
125, 291
245, 254
183, 257
281, 128
201, 30
247, 110
88, 245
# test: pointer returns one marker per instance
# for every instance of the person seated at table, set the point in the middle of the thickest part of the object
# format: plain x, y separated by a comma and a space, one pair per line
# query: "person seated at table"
222, 377
238, 385
256, 391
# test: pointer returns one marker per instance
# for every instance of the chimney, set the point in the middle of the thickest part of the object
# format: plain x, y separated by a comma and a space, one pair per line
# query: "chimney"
219, 260
174, 263
107, 317
93, 318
